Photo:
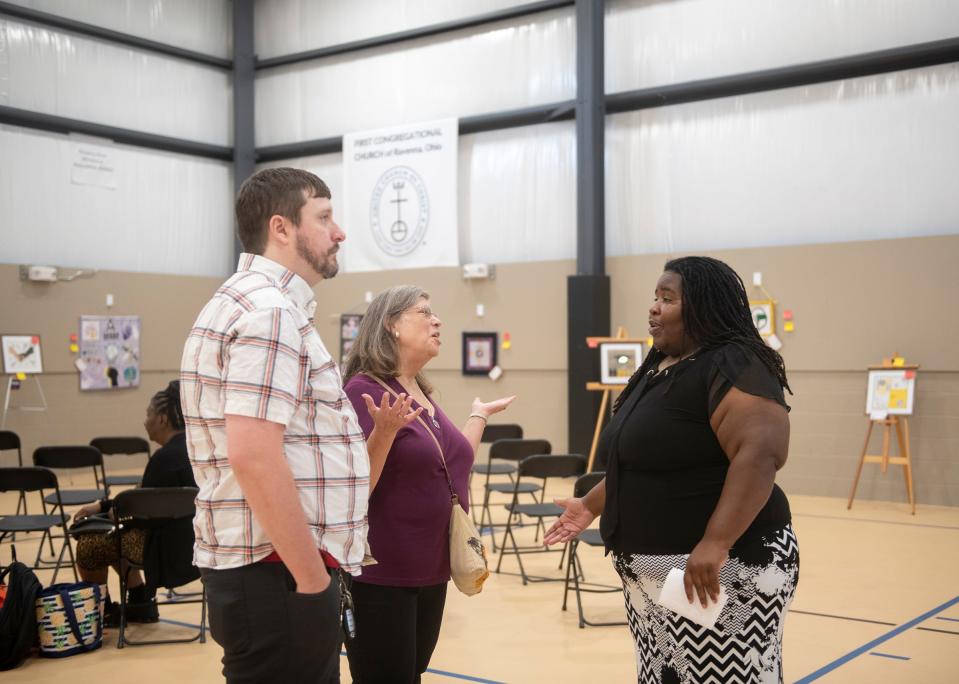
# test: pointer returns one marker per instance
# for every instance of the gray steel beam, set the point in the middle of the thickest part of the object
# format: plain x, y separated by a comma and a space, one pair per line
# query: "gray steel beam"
855, 66
244, 59
126, 136
413, 34
81, 28
528, 116
588, 292
590, 139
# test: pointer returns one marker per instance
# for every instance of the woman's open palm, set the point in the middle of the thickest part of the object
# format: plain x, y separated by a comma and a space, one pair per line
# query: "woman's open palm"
571, 523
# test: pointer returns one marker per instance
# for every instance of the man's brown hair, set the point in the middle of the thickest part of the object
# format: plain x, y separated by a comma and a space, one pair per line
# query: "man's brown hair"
271, 192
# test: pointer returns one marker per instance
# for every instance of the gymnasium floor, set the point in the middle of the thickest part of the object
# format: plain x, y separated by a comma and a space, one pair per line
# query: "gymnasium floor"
878, 601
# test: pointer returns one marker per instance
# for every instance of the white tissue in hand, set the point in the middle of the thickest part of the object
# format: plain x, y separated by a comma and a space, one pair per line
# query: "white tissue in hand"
673, 597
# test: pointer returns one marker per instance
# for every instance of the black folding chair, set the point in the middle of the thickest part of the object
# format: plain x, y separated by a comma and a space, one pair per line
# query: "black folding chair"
9, 441
70, 458
111, 446
149, 508
512, 451
492, 433
29, 479
574, 568
543, 467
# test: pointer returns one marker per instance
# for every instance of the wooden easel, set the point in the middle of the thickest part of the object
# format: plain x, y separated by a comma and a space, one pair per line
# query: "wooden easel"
606, 389
904, 457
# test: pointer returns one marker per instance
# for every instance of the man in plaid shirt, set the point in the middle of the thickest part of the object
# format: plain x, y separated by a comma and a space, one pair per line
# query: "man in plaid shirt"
276, 448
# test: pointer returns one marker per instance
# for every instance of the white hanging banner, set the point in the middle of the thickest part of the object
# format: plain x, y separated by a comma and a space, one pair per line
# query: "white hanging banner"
399, 187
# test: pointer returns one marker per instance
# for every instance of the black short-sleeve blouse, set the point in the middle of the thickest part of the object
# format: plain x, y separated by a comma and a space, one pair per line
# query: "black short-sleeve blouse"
665, 467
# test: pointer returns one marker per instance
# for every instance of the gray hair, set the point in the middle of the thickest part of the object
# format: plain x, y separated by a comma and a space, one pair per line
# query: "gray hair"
375, 351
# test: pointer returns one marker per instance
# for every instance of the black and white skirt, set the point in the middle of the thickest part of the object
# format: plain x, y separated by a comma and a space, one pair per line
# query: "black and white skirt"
745, 645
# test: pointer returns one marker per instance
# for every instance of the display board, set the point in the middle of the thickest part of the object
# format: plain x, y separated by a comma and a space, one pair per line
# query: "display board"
109, 352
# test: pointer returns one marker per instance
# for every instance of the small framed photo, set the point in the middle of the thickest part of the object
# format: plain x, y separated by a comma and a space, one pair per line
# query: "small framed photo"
349, 331
618, 361
764, 316
21, 354
479, 352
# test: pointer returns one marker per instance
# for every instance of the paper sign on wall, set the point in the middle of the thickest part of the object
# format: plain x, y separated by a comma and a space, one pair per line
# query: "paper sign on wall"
94, 166
400, 190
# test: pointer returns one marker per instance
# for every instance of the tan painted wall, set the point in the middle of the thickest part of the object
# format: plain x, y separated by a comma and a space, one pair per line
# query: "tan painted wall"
853, 302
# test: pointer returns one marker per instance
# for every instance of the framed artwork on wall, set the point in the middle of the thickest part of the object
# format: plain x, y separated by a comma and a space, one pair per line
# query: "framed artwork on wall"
21, 354
349, 331
479, 352
764, 316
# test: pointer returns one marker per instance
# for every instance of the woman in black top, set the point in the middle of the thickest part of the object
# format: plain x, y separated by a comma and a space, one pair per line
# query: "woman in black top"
170, 548
692, 453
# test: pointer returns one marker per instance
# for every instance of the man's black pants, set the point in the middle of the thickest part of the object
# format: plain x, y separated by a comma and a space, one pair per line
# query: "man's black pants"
270, 633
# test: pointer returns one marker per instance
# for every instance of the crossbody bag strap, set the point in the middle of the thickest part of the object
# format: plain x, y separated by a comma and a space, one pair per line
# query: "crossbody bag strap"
449, 481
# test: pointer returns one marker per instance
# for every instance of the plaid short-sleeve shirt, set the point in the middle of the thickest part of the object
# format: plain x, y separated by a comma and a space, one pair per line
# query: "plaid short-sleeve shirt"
254, 351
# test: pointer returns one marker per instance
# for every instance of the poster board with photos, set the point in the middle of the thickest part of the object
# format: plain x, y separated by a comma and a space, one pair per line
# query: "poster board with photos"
109, 352
21, 354
890, 391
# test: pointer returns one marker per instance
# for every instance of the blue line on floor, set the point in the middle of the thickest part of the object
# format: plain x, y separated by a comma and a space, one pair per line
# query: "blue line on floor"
889, 655
462, 676
172, 622
826, 669
949, 619
870, 520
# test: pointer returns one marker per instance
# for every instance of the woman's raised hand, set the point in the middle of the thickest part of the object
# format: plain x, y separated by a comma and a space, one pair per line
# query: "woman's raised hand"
488, 408
391, 418
574, 520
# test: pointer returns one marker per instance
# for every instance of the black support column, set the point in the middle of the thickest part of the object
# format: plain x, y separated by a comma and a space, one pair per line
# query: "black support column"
244, 64
588, 305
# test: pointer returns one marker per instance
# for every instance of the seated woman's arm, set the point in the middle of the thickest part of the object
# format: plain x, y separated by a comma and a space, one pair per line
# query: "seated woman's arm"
754, 433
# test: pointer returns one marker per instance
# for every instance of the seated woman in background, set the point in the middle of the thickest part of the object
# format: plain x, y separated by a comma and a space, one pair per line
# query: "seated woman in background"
168, 467
399, 601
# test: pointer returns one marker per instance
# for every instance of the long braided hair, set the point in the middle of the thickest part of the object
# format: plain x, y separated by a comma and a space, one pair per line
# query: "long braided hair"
715, 312
166, 403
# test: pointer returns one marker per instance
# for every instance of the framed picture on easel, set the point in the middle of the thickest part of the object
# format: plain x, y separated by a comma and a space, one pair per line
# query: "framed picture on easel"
21, 354
890, 391
618, 361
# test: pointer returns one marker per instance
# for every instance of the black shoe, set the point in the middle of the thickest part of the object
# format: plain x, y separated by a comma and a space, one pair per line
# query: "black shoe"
143, 612
111, 613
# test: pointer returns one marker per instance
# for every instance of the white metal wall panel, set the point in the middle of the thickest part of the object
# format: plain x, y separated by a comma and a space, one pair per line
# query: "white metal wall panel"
651, 42
509, 65
168, 213
288, 26
204, 26
861, 159
67, 75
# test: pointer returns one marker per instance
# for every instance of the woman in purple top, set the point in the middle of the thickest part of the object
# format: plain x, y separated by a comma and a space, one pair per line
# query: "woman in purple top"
398, 603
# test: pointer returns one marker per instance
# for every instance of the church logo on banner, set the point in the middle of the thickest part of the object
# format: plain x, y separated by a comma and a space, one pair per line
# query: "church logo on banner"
398, 232
400, 191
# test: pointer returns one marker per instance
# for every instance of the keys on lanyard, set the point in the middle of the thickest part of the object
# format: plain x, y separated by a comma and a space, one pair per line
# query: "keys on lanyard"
346, 610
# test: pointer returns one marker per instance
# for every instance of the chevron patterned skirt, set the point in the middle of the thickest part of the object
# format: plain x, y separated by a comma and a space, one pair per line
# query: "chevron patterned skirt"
744, 646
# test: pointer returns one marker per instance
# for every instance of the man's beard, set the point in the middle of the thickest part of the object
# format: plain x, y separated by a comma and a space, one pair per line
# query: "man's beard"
326, 267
